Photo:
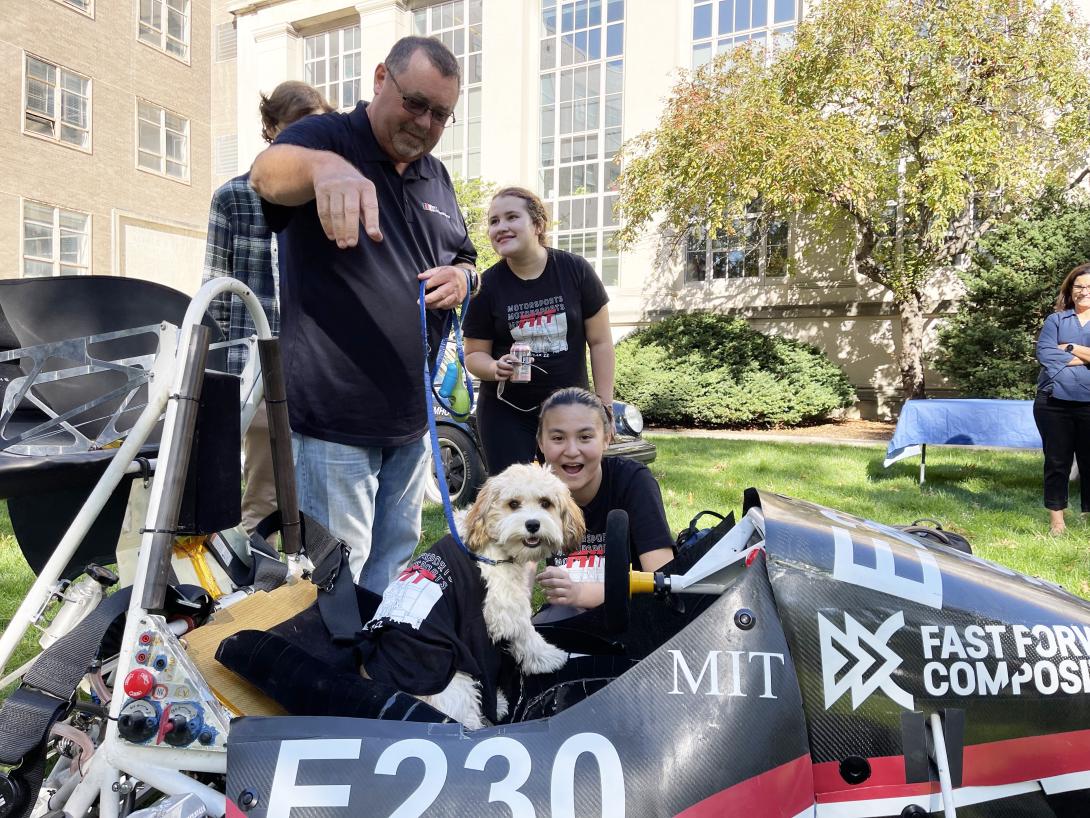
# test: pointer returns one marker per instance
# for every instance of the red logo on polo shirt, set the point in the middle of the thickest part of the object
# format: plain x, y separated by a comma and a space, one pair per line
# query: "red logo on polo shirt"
433, 209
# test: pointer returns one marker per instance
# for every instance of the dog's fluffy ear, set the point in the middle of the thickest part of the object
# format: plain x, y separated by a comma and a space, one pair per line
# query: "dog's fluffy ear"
574, 526
475, 526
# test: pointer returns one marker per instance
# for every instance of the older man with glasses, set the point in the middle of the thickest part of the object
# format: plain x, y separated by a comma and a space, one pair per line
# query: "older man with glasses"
350, 327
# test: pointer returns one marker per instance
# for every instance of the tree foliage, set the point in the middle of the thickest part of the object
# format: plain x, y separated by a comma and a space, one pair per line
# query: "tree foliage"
705, 369
473, 197
987, 349
922, 123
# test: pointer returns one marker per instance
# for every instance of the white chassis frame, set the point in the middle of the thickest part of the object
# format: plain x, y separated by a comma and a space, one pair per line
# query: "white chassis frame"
159, 767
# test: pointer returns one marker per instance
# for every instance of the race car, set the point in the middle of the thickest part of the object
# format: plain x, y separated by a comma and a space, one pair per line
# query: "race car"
819, 665
801, 662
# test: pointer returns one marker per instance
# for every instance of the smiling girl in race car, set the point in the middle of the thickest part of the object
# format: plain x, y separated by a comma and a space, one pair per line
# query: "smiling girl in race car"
573, 435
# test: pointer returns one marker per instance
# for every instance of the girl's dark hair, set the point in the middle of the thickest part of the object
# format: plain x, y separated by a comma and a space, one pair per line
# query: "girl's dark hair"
573, 396
1064, 301
539, 215
289, 101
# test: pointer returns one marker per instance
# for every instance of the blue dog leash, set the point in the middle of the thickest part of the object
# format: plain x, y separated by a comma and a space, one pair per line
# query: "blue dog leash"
430, 398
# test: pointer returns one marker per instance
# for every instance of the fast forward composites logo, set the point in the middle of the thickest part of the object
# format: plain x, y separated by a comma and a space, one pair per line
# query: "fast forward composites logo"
862, 660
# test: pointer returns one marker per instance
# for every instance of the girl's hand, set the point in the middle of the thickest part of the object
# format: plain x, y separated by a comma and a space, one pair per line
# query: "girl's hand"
558, 586
505, 367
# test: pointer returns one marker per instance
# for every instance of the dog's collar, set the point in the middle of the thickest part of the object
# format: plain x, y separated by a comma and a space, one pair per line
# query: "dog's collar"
486, 560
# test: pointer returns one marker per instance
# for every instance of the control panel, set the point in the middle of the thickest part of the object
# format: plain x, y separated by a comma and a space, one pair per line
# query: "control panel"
167, 702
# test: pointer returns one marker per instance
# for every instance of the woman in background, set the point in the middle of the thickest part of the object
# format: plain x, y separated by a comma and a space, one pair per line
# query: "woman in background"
546, 298
1062, 406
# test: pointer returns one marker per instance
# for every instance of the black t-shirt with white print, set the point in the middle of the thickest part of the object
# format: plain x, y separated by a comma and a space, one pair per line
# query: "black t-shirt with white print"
630, 486
547, 313
430, 624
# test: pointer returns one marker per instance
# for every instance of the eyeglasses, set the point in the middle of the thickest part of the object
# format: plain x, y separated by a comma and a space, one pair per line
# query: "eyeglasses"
1080, 289
417, 106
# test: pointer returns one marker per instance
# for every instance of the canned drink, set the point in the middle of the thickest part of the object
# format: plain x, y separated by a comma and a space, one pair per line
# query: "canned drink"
522, 370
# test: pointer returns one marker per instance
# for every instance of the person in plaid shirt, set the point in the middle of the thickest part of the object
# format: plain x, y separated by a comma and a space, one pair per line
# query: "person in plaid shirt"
241, 245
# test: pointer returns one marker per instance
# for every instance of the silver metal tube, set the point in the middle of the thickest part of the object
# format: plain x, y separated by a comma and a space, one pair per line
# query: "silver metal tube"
938, 739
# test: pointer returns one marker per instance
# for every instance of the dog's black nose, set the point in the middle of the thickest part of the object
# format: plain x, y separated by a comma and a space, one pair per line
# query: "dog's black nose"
532, 526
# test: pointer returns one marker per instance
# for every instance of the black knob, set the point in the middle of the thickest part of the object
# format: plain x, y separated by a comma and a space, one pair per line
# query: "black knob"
744, 618
181, 732
103, 576
136, 727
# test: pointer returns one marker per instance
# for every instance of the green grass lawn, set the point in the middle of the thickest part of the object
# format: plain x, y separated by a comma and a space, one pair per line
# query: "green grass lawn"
993, 498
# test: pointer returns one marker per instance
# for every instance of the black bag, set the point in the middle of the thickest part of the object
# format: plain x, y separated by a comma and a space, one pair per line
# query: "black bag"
690, 536
932, 530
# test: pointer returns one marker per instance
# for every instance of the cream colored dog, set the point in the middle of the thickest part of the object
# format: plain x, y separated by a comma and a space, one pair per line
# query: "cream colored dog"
521, 516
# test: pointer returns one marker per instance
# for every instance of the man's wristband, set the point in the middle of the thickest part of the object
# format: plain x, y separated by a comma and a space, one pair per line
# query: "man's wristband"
473, 281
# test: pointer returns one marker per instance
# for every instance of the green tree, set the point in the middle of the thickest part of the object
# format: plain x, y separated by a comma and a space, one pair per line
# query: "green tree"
473, 197
988, 348
916, 124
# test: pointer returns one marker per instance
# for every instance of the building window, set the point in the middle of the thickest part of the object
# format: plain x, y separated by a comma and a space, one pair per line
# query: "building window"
85, 6
57, 104
721, 25
331, 63
459, 25
55, 241
581, 85
164, 24
162, 141
754, 248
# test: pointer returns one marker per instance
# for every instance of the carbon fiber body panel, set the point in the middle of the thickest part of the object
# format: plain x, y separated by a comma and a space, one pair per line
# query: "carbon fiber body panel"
715, 707
881, 624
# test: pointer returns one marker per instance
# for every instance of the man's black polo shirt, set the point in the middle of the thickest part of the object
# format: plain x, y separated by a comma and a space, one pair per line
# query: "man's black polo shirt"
350, 324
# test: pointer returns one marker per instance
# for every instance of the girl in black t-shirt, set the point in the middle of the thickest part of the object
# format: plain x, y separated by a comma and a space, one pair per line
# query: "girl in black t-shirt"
537, 295
572, 436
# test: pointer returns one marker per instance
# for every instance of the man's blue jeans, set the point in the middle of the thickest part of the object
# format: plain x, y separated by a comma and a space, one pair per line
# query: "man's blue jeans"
368, 496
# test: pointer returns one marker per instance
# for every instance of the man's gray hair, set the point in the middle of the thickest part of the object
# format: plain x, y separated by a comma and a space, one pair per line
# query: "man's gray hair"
438, 55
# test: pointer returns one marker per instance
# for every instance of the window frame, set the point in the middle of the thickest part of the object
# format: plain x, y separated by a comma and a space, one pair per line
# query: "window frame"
724, 244
160, 43
87, 12
161, 171
323, 87
55, 261
57, 119
772, 35
580, 106
460, 147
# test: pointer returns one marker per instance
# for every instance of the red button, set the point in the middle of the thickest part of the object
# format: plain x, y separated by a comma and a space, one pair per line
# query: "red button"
139, 683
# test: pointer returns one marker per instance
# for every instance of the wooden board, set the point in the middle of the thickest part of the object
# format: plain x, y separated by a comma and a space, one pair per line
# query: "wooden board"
260, 611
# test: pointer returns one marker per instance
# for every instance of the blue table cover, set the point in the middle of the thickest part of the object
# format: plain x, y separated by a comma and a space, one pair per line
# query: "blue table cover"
963, 422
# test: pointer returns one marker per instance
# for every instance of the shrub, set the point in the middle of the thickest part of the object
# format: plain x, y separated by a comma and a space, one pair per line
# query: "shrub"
987, 348
705, 369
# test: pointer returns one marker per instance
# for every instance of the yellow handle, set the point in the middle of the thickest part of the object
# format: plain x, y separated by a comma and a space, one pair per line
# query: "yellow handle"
641, 582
